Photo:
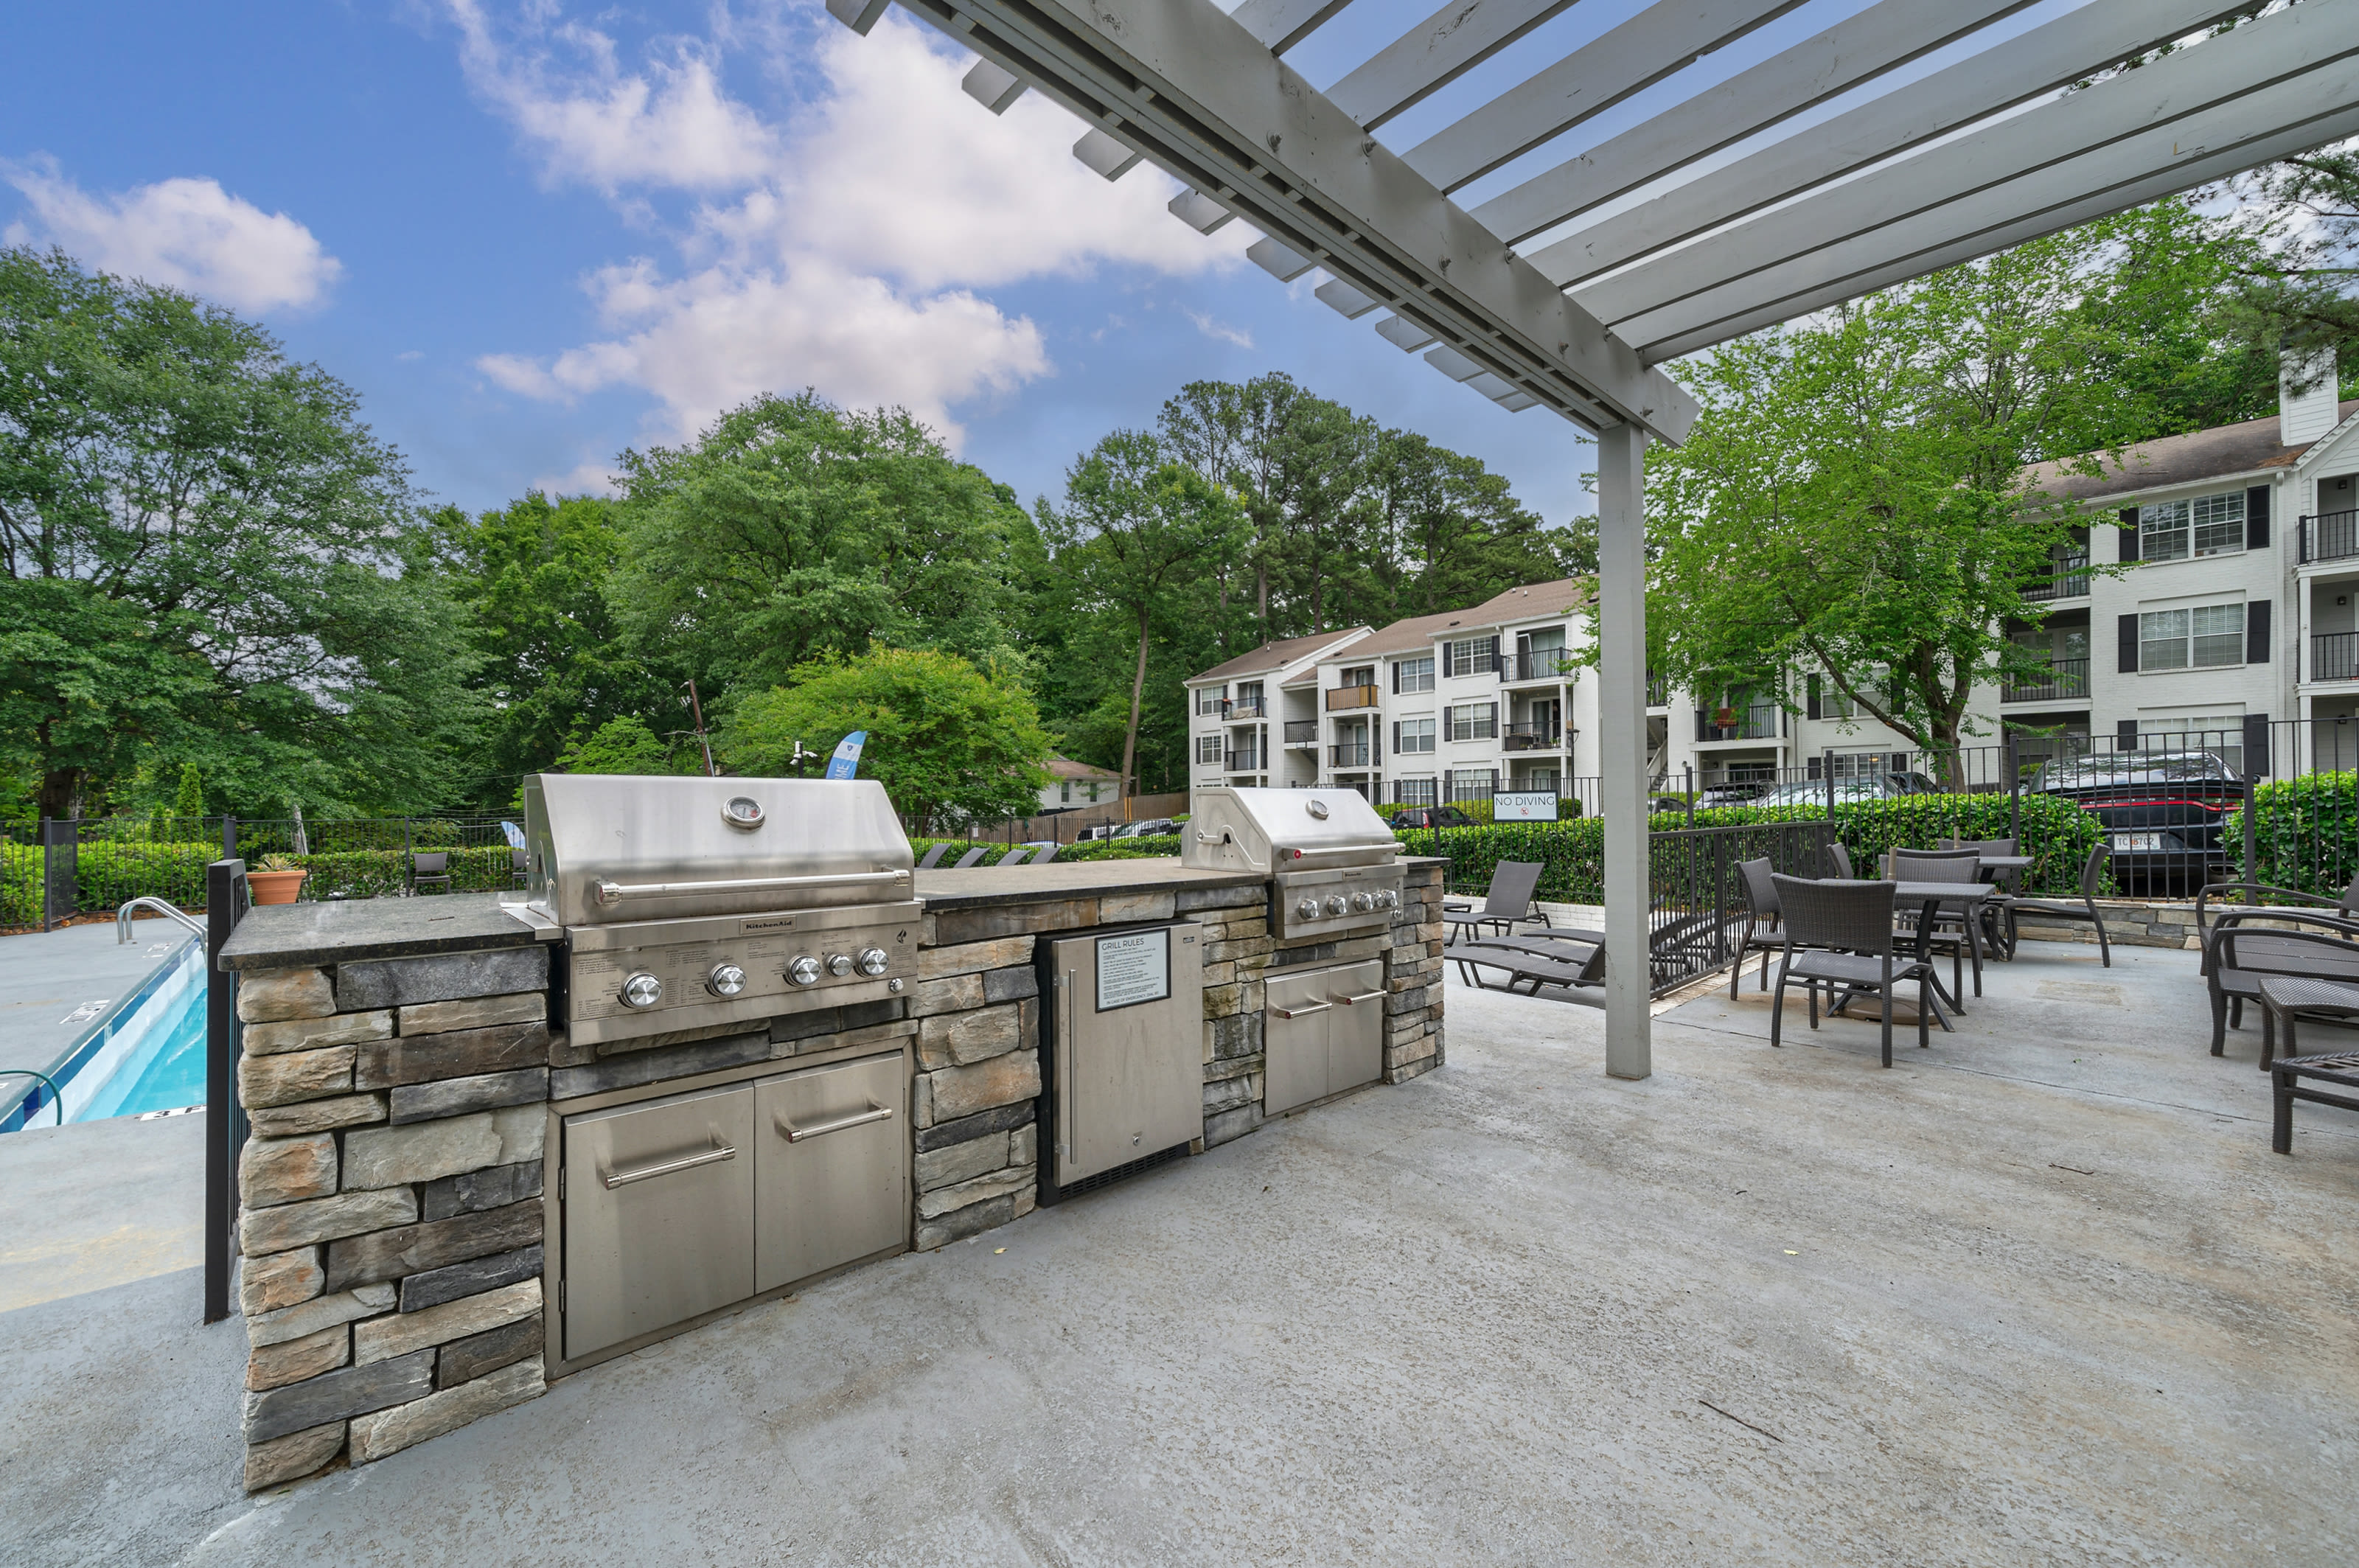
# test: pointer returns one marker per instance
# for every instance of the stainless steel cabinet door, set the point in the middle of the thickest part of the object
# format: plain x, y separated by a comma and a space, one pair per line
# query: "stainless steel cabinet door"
1294, 1037
658, 1214
1355, 1024
1130, 1080
832, 1182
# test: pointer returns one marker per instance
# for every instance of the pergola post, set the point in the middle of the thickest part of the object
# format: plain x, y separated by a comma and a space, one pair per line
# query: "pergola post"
1622, 742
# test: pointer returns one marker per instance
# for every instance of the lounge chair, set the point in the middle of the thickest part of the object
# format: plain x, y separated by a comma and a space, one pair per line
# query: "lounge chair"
2301, 945
1015, 857
933, 857
1842, 938
2092, 874
971, 856
1582, 979
1048, 855
1508, 903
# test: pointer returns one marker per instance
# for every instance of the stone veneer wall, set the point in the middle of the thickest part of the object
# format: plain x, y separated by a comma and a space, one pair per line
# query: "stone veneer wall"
391, 1221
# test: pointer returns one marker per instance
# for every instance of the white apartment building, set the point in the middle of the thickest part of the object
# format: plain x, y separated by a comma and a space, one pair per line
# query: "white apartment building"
1451, 707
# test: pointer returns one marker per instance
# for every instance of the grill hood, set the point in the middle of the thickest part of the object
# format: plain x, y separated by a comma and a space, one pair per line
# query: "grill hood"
1272, 831
617, 847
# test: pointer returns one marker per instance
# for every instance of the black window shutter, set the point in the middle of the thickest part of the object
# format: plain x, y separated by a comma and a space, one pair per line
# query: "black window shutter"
1812, 765
1816, 702
2257, 517
2129, 538
1495, 653
1899, 762
2129, 645
2125, 731
2256, 745
1395, 736
2256, 631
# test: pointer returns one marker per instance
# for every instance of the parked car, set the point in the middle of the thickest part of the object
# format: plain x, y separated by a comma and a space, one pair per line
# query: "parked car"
1813, 791
1712, 796
2163, 812
1432, 817
1150, 827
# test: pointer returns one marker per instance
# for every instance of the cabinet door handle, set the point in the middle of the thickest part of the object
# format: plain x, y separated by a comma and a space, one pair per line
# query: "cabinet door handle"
874, 1112
1303, 1012
718, 1153
1363, 996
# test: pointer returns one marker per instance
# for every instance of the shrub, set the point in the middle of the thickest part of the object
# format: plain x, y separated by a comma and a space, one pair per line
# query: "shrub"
1092, 849
2305, 834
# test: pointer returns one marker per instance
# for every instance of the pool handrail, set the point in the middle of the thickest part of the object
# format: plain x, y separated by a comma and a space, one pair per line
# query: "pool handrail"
123, 918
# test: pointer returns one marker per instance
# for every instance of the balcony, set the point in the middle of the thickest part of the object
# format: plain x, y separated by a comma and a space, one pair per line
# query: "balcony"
2333, 657
2067, 678
1532, 737
1351, 755
1302, 732
2068, 579
1246, 762
1758, 722
1242, 708
1548, 664
2330, 536
1658, 692
1344, 697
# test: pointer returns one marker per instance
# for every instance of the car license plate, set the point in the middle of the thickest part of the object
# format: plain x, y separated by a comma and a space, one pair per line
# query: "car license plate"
2132, 841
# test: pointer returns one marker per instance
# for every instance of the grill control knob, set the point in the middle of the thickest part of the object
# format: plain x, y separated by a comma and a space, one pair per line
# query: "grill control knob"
838, 965
1307, 909
872, 961
1364, 902
1388, 899
727, 980
803, 971
1337, 904
642, 990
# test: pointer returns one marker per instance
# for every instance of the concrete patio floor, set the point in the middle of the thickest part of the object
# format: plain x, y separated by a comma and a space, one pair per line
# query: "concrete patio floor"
2041, 1294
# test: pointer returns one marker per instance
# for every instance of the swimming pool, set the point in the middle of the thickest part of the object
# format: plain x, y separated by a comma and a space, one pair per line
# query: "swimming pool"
149, 1055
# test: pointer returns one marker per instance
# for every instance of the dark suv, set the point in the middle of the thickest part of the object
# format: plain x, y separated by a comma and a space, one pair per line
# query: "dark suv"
1432, 817
2163, 812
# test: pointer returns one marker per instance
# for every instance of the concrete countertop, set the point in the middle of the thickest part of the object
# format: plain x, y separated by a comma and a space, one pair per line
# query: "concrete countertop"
280, 936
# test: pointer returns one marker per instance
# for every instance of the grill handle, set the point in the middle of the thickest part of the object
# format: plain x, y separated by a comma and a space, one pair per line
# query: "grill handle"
607, 892
1303, 1012
874, 1112
712, 1156
1318, 859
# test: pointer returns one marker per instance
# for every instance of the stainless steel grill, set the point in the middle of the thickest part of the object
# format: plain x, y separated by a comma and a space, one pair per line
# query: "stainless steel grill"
687, 902
1330, 858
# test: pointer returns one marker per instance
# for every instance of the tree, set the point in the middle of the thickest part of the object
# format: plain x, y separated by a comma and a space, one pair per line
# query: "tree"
188, 801
626, 745
950, 742
207, 557
1135, 524
791, 531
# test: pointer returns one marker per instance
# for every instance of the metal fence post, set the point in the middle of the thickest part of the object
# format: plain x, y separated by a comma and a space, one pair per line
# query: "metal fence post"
41, 843
229, 837
2252, 846
2014, 765
225, 897
60, 869
1827, 768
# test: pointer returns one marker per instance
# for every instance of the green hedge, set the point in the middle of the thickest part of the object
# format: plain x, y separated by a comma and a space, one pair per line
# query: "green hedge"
373, 873
105, 875
2305, 834
1092, 849
2058, 834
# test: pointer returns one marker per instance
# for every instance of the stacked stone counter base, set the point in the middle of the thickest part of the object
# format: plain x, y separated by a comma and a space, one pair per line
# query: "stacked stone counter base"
391, 1221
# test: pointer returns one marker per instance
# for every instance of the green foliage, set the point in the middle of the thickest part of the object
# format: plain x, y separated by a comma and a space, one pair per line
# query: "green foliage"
626, 746
947, 741
375, 872
2305, 834
106, 874
189, 800
1146, 847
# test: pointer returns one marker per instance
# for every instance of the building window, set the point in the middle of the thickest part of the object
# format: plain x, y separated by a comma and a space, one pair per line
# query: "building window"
1414, 792
1829, 701
1471, 656
1473, 783
1209, 748
1248, 703
2179, 530
1413, 675
1412, 736
1093, 791
1068, 796
1360, 675
1474, 721
2206, 638
1209, 699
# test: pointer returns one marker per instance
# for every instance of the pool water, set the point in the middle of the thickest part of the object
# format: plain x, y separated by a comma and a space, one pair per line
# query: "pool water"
164, 1068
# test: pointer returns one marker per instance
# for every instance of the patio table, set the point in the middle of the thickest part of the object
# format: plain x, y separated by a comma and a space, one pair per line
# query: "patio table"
1929, 896
2284, 996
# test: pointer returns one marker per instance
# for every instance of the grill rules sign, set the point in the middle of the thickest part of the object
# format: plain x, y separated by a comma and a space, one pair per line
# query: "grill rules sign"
1134, 968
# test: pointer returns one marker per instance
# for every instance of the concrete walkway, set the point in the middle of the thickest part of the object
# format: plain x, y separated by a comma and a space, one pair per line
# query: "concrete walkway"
2038, 1295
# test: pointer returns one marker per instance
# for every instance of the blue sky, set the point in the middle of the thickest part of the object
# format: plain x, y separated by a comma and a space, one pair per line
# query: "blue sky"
531, 235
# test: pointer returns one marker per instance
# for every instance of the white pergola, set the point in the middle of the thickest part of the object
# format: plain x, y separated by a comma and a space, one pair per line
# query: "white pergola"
1728, 207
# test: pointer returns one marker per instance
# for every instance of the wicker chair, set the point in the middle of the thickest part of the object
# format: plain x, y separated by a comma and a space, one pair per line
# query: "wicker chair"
1761, 921
429, 868
1842, 938
2301, 945
1948, 929
1842, 857
2092, 874
2007, 879
2250, 893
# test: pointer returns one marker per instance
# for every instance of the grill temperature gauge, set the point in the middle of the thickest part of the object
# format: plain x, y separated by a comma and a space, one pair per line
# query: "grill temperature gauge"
642, 990
803, 971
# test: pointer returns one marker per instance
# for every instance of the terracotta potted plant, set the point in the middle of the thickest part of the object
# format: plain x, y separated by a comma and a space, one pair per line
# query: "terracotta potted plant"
1724, 719
276, 882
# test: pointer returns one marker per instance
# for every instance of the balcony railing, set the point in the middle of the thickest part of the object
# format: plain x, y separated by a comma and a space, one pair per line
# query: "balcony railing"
1532, 737
2330, 536
1246, 762
2333, 656
2068, 579
1758, 722
2066, 678
1548, 664
1242, 708
1353, 755
1302, 732
1658, 692
1352, 697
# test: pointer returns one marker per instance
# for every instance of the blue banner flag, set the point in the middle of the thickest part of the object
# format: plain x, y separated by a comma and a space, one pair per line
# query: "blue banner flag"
846, 760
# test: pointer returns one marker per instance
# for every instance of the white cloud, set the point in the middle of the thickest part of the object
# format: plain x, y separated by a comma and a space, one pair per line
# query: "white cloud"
181, 233
840, 249
1221, 332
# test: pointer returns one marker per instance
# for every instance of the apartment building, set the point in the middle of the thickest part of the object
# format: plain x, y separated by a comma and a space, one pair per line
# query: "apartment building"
1451, 706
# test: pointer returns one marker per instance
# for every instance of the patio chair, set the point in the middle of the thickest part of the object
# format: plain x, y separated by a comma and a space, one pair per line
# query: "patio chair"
1761, 921
2284, 1000
429, 866
2251, 893
1844, 937
1508, 901
2007, 879
933, 857
1048, 855
2285, 1082
2092, 873
971, 856
1679, 948
1842, 857
2300, 944
523, 864
1948, 928
1015, 857
1581, 976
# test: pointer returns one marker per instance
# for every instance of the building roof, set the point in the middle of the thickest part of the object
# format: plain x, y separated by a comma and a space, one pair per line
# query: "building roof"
1066, 768
2247, 448
1530, 602
1272, 655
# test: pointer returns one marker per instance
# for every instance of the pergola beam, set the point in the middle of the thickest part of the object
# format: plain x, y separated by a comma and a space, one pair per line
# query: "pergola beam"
1435, 53
1195, 92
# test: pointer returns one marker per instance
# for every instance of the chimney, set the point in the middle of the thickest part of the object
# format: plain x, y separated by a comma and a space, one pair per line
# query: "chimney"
2303, 417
